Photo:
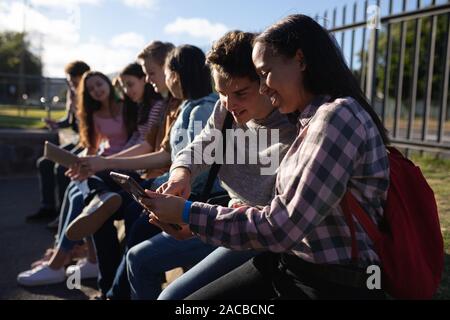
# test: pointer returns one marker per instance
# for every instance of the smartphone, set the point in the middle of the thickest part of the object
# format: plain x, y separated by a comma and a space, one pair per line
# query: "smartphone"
132, 187
129, 184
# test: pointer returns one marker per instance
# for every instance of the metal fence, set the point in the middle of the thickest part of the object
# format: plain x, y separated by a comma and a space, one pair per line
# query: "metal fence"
32, 91
403, 65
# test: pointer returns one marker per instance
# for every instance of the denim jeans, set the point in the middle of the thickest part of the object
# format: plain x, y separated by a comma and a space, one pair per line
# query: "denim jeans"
216, 264
71, 207
109, 252
136, 232
147, 260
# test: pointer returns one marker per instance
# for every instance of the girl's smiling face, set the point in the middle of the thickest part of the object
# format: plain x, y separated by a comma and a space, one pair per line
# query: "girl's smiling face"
133, 87
98, 88
281, 78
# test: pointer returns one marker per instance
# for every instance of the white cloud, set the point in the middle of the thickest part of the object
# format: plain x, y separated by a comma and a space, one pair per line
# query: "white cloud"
196, 27
99, 56
128, 40
59, 41
63, 30
144, 4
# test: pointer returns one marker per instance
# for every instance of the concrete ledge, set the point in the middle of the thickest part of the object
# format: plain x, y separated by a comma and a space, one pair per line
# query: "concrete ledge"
20, 148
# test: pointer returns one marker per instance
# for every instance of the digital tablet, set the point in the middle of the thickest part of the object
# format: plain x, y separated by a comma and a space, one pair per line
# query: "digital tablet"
55, 153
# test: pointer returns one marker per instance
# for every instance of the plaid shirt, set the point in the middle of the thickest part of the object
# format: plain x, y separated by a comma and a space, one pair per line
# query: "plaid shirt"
337, 145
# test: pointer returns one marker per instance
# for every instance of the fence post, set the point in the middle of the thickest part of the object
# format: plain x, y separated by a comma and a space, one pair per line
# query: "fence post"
373, 21
47, 98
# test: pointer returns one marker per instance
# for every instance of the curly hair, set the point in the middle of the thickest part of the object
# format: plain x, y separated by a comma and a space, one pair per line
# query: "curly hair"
231, 55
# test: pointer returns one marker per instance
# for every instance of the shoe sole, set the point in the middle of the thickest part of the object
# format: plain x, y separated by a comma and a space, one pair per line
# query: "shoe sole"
86, 225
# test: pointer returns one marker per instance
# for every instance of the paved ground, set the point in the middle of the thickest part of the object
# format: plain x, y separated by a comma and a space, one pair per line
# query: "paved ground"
21, 243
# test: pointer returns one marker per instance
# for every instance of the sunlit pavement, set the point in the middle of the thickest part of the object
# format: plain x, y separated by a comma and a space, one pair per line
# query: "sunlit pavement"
22, 243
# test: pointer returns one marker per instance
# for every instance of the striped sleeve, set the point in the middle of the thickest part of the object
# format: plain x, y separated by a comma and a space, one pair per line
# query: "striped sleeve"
153, 119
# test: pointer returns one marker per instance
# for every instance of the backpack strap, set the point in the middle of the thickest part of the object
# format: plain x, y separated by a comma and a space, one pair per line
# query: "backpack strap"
351, 207
212, 175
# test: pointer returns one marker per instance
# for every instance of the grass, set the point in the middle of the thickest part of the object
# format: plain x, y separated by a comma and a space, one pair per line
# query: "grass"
31, 118
437, 173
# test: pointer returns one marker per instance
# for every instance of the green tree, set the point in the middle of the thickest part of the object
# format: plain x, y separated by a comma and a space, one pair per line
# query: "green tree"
11, 46
424, 58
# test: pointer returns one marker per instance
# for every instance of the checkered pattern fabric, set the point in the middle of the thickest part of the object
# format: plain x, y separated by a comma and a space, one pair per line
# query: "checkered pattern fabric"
338, 146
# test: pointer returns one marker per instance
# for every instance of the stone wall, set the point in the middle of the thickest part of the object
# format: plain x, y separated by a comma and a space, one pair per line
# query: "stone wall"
20, 148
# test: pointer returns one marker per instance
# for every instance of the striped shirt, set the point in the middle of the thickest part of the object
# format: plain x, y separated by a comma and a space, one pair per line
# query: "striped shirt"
337, 146
154, 117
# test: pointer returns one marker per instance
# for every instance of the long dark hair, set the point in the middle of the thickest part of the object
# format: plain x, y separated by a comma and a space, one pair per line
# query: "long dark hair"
326, 71
195, 76
87, 106
138, 112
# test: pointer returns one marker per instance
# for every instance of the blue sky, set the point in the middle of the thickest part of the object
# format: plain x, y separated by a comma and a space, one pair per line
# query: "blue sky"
109, 33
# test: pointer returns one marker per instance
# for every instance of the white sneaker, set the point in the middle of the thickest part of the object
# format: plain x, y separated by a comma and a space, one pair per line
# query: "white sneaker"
94, 215
87, 269
41, 275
